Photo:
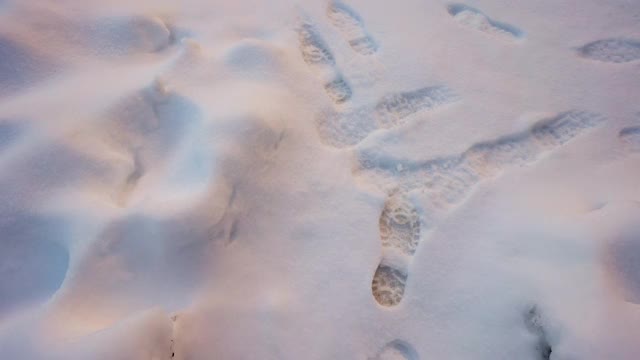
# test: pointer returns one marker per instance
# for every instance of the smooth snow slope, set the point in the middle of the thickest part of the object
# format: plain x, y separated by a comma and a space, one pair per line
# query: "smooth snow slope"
320, 180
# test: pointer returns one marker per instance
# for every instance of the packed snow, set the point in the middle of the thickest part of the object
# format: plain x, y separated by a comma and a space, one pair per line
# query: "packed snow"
331, 179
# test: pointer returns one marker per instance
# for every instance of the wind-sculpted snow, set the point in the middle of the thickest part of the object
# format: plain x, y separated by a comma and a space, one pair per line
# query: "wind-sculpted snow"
336, 179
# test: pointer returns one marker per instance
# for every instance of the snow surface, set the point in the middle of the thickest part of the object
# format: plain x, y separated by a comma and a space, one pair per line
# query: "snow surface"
320, 180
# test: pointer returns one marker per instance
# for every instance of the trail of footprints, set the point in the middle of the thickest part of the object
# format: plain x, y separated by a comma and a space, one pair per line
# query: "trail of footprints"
446, 182
343, 129
610, 50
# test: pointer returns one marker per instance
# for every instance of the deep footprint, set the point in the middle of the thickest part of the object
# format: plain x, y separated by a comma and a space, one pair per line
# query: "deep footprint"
313, 49
400, 236
475, 19
351, 26
388, 285
615, 50
534, 323
400, 225
630, 138
347, 129
338, 90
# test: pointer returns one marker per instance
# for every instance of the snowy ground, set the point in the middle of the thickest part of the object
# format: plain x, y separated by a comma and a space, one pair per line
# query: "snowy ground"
320, 180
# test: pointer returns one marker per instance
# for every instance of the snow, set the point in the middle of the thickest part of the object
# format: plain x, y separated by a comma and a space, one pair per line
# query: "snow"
319, 180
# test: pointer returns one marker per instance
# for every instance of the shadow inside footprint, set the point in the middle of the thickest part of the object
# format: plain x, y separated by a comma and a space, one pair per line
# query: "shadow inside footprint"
397, 350
477, 19
338, 90
630, 138
388, 285
313, 48
616, 50
399, 225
